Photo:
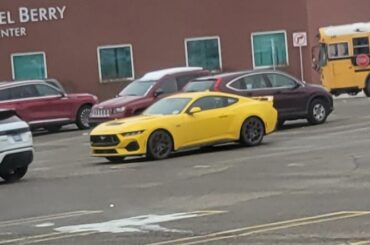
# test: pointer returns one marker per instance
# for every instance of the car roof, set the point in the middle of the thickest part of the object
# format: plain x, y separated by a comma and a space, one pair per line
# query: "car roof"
23, 82
155, 75
196, 95
240, 73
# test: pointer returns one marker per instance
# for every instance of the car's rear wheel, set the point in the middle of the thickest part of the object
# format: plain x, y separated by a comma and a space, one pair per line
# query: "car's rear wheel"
14, 174
115, 159
82, 118
367, 87
317, 112
159, 145
252, 132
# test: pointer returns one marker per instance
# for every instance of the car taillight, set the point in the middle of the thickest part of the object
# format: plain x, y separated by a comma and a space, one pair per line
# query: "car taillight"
218, 84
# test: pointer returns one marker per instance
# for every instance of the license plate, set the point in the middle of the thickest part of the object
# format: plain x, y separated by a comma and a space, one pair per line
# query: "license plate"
17, 137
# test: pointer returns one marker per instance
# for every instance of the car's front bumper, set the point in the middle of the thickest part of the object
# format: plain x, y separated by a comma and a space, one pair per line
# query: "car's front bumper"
16, 158
125, 146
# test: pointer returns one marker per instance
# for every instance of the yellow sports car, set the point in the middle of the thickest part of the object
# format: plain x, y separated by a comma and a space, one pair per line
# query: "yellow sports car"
183, 121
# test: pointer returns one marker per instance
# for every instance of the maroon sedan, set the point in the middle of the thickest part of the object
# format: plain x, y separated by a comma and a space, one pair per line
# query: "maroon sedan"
293, 99
43, 105
141, 93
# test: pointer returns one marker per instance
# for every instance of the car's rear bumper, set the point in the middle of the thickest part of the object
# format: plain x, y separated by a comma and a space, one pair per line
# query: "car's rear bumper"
16, 158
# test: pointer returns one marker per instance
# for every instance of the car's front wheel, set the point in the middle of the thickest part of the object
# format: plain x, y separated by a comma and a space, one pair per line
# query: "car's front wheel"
82, 118
159, 145
14, 174
115, 159
252, 132
317, 112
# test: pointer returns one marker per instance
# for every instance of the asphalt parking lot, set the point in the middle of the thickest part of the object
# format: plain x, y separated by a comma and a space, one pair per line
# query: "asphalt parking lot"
303, 185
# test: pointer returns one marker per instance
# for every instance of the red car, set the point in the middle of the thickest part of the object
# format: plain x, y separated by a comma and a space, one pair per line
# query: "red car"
141, 93
43, 105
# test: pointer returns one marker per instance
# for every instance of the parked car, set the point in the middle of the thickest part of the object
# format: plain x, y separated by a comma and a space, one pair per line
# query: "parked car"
141, 93
293, 99
43, 105
16, 150
182, 121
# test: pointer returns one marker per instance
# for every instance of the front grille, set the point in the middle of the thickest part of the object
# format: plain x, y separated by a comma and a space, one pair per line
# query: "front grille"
101, 112
105, 151
104, 140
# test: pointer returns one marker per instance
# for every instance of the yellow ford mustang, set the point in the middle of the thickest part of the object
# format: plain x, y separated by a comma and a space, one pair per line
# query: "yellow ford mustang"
184, 121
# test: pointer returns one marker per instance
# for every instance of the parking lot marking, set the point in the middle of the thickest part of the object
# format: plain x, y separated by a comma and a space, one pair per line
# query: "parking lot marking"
47, 217
359, 243
63, 235
247, 231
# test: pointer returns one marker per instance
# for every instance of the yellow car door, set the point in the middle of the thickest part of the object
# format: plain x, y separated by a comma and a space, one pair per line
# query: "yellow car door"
209, 123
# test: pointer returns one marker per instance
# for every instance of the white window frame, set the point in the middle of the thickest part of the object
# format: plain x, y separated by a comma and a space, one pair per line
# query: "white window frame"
110, 47
27, 54
266, 33
202, 39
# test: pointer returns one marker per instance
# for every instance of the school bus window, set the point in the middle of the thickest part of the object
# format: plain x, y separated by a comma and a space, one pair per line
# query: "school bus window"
361, 45
323, 58
338, 50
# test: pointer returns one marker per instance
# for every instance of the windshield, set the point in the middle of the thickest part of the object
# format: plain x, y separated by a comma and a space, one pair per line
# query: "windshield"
323, 57
8, 117
167, 106
137, 88
199, 85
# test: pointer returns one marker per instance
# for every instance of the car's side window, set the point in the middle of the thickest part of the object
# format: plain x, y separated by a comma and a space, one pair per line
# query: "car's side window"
250, 83
213, 102
183, 80
44, 90
281, 81
4, 94
23, 92
169, 86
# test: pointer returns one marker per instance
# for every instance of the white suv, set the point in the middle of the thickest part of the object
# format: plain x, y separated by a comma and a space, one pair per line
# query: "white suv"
16, 150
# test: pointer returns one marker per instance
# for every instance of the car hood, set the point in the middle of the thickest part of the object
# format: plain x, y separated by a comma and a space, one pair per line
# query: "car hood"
141, 122
118, 101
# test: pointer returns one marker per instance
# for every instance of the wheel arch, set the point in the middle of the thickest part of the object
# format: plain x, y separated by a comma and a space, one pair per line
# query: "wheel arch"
316, 97
163, 129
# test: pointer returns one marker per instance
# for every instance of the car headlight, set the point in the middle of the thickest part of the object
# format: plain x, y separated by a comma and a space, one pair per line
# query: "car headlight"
119, 110
133, 133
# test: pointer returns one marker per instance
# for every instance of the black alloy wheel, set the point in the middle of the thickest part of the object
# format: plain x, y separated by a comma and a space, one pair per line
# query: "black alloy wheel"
115, 159
160, 145
317, 112
82, 118
13, 175
252, 132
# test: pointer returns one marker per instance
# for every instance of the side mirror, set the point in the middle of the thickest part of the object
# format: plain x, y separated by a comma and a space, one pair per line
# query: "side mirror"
195, 110
158, 92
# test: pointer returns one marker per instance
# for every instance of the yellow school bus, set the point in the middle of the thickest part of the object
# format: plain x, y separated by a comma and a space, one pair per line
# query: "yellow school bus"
343, 58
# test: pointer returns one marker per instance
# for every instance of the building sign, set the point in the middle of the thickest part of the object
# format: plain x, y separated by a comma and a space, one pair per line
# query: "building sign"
300, 39
14, 20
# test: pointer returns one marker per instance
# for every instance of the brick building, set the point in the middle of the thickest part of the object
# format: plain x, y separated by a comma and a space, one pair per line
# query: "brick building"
98, 46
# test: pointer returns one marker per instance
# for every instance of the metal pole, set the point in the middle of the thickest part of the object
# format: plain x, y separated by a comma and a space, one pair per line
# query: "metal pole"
301, 58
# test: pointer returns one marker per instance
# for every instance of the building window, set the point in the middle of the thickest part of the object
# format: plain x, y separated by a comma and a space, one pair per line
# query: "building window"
204, 52
269, 49
27, 66
115, 62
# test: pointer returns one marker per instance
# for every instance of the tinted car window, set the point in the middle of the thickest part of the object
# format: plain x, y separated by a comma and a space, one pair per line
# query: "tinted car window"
199, 85
22, 92
169, 86
281, 81
210, 102
183, 80
4, 94
250, 83
45, 90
